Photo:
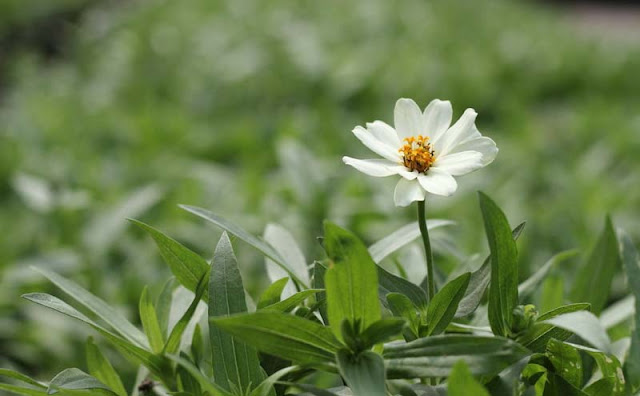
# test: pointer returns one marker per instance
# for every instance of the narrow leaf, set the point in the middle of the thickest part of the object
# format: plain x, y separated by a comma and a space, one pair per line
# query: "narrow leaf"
587, 326
205, 383
364, 373
529, 286
239, 232
382, 331
503, 292
435, 356
402, 237
286, 336
102, 369
273, 293
540, 333
445, 304
75, 379
174, 339
97, 306
593, 281
150, 323
235, 364
390, 283
351, 281
187, 266
293, 301
286, 246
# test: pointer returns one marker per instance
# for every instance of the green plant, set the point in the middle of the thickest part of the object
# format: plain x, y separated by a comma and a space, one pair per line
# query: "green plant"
376, 332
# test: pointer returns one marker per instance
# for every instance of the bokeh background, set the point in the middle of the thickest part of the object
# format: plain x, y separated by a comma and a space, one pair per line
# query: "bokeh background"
116, 109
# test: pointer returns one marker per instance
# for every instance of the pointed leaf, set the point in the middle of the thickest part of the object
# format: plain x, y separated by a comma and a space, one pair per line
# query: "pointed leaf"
286, 336
587, 326
293, 301
286, 246
174, 339
445, 304
529, 286
239, 232
208, 386
364, 373
537, 336
273, 293
235, 364
187, 266
390, 283
402, 237
593, 281
150, 323
75, 379
382, 331
102, 369
351, 281
503, 292
97, 306
435, 356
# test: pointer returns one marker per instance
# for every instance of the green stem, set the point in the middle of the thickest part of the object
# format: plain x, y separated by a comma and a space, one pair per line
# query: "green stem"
422, 223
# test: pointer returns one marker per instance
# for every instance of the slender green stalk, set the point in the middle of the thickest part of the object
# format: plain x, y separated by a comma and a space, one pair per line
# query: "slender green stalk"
422, 223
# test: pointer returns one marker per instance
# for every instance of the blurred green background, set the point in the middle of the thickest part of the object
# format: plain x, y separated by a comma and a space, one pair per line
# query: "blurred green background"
116, 109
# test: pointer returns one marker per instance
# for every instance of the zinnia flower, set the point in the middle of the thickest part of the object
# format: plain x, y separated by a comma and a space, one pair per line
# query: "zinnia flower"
424, 149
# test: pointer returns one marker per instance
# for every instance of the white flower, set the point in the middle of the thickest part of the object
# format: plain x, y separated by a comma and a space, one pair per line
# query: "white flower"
424, 149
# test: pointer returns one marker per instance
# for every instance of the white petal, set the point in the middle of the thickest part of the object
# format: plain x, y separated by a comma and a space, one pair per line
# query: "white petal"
407, 118
438, 182
458, 164
406, 192
463, 129
371, 167
384, 133
437, 118
389, 152
482, 144
404, 172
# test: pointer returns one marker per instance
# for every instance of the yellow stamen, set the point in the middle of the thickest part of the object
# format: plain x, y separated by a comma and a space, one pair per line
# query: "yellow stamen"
417, 153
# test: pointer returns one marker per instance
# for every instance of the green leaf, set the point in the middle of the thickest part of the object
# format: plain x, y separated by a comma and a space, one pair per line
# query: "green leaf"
150, 323
239, 232
21, 377
97, 306
402, 237
235, 364
382, 331
163, 306
507, 381
540, 333
593, 281
462, 383
286, 246
351, 281
266, 387
319, 271
273, 293
610, 369
102, 369
558, 386
552, 295
208, 386
187, 266
566, 361
631, 261
587, 326
390, 283
21, 390
173, 341
401, 306
445, 304
528, 287
293, 301
155, 364
435, 356
286, 336
479, 282
364, 373
75, 379
503, 292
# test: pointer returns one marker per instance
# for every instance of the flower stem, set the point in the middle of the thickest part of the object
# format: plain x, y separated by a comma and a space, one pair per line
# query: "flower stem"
422, 223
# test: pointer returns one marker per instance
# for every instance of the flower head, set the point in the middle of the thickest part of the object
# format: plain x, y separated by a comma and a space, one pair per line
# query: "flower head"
424, 149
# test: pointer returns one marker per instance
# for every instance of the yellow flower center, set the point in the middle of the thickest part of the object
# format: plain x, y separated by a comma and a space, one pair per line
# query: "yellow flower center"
417, 153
